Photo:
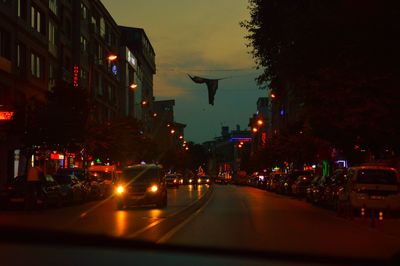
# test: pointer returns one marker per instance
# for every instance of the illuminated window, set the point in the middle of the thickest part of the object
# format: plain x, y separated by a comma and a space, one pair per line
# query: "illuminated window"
21, 9
83, 44
53, 6
36, 65
52, 33
83, 11
102, 28
37, 20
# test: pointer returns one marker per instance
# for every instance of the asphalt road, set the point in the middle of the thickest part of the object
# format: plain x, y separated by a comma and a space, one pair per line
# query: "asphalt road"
102, 217
249, 218
232, 218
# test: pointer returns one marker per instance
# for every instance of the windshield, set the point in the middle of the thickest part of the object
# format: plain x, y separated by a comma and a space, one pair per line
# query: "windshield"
383, 177
141, 175
240, 125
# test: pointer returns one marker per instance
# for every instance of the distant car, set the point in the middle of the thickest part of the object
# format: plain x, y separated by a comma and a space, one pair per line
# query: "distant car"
221, 180
285, 185
299, 187
372, 187
16, 191
272, 181
141, 184
206, 179
331, 188
172, 181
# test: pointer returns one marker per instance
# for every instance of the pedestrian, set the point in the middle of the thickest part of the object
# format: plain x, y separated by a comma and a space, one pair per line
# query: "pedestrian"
34, 177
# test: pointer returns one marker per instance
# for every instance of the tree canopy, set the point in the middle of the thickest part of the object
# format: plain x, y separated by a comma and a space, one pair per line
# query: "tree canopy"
340, 62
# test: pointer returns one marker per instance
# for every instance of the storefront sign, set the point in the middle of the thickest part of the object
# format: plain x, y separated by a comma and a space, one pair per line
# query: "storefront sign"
56, 156
76, 76
130, 58
6, 116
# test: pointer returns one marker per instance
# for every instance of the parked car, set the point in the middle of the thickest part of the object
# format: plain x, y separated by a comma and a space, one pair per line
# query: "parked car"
221, 179
272, 181
83, 176
331, 188
172, 180
98, 188
299, 187
16, 192
142, 184
372, 188
72, 189
314, 193
285, 186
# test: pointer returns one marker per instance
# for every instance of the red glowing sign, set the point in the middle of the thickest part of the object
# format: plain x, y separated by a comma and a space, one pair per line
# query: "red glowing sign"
56, 156
76, 76
264, 138
6, 116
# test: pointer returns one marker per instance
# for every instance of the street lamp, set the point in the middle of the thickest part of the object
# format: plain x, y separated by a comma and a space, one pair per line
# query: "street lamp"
112, 57
172, 131
255, 130
133, 86
260, 122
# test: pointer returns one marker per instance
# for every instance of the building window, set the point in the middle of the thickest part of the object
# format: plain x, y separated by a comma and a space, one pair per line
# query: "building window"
100, 89
37, 20
52, 33
102, 28
52, 77
5, 44
21, 56
53, 6
83, 74
83, 11
21, 9
83, 44
36, 65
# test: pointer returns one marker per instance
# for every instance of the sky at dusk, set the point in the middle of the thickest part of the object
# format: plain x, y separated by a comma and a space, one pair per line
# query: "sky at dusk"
200, 38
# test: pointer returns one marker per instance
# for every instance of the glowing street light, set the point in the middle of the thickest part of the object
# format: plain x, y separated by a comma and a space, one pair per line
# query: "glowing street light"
260, 122
133, 86
180, 137
112, 57
172, 131
255, 130
273, 95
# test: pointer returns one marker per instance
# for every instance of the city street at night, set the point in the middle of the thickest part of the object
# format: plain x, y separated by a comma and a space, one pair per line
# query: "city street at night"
233, 217
102, 217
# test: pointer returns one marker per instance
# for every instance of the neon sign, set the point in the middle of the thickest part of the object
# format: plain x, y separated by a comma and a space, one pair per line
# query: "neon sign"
76, 76
6, 116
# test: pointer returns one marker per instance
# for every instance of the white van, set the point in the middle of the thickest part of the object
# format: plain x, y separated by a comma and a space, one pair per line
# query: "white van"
373, 187
106, 174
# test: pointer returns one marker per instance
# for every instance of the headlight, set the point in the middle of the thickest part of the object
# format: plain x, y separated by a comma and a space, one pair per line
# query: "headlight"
208, 180
153, 188
199, 180
190, 180
120, 189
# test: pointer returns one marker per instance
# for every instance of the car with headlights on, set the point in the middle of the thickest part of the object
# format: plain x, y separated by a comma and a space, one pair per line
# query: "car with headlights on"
141, 184
172, 180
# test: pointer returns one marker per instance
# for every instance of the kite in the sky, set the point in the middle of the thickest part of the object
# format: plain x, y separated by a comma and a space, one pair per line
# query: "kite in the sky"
212, 85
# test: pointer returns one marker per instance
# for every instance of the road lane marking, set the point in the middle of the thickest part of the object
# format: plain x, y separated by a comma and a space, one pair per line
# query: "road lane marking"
177, 228
145, 228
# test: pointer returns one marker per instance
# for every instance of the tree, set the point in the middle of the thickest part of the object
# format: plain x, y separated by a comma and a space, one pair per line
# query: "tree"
339, 61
